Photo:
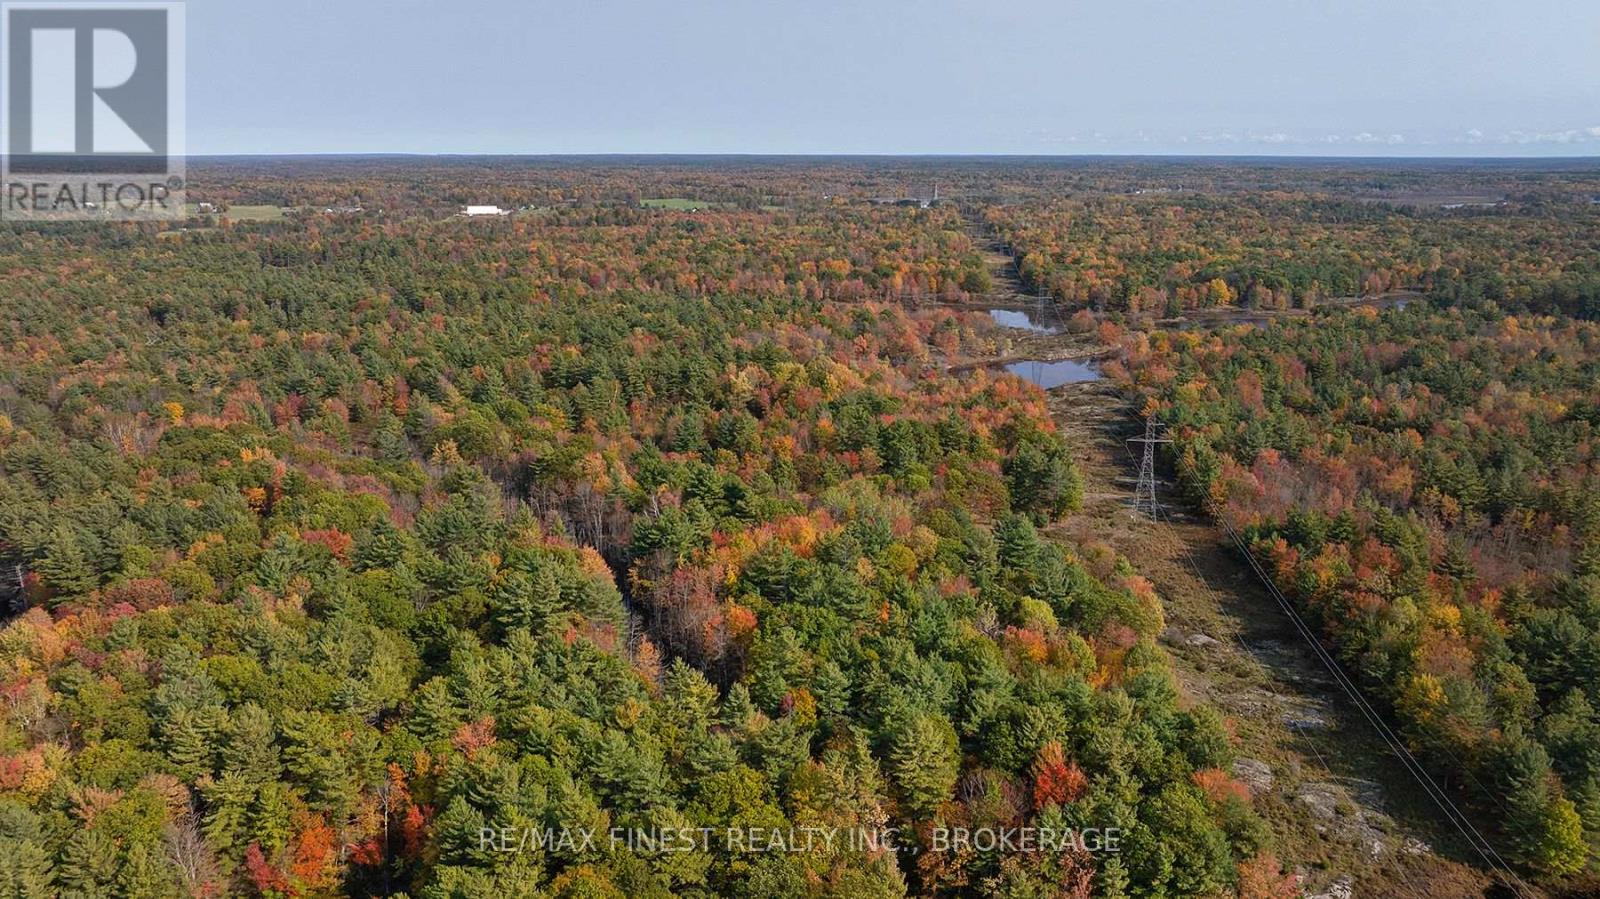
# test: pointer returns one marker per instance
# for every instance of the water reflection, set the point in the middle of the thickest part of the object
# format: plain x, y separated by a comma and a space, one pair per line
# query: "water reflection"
1054, 374
1037, 321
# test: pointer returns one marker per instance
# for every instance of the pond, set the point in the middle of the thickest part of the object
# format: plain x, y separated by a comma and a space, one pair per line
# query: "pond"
1054, 374
1039, 321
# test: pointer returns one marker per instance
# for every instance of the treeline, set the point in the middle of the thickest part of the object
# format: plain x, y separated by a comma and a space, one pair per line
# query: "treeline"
340, 542
1165, 254
1424, 483
390, 188
835, 251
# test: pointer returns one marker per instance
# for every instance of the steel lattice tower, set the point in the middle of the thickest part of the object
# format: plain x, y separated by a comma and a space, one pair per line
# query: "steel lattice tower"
1144, 497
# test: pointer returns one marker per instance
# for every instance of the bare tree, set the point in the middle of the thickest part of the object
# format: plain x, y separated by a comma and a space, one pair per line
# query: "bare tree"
190, 856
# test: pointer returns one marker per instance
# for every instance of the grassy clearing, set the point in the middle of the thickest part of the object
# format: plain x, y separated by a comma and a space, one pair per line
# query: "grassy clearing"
1334, 792
246, 213
255, 213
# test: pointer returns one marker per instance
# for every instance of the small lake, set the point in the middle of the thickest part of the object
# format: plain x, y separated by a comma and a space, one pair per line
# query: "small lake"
1037, 321
1055, 374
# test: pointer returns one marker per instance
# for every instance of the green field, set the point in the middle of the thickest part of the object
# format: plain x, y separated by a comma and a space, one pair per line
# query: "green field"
248, 213
255, 213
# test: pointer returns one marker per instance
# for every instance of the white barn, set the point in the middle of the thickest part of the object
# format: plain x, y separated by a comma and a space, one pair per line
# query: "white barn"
482, 210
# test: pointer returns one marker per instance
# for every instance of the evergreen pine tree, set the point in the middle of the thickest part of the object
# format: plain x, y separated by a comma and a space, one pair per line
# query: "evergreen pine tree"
190, 743
66, 569
145, 875
924, 759
25, 871
88, 865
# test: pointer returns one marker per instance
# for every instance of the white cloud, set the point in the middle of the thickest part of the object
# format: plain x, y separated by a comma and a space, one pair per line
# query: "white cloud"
1221, 139
1571, 135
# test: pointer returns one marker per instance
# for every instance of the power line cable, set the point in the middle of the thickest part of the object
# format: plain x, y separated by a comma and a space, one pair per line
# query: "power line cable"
1474, 838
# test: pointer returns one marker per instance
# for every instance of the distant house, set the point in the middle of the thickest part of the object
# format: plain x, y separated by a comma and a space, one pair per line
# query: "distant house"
472, 211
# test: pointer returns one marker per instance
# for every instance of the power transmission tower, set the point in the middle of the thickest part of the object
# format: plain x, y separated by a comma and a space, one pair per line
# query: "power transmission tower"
1144, 497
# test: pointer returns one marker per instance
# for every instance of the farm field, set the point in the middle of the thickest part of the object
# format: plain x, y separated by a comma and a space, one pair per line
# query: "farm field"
255, 213
261, 212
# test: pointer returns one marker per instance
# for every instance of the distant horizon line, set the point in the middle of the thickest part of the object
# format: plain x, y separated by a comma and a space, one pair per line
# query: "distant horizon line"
1275, 157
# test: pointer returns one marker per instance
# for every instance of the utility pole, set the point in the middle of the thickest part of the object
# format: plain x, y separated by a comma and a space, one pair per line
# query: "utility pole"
1144, 497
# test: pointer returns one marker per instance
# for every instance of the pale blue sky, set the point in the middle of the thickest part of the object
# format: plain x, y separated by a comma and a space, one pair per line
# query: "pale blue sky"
1323, 77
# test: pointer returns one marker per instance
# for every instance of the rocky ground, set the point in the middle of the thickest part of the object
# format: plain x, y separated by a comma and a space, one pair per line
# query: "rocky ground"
1345, 815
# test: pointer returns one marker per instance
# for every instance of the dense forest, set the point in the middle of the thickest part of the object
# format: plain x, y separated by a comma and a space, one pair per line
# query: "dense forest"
1168, 252
352, 547
337, 543
1426, 483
